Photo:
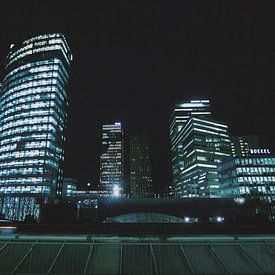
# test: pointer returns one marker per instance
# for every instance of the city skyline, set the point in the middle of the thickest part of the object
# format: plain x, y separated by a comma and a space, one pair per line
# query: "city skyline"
131, 73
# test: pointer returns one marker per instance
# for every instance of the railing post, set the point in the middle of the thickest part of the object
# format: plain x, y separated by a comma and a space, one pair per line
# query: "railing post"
88, 258
186, 259
154, 259
56, 257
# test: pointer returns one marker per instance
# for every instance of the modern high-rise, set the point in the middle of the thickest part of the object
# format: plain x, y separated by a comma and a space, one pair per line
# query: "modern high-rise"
199, 144
241, 145
205, 144
32, 121
181, 113
112, 160
140, 164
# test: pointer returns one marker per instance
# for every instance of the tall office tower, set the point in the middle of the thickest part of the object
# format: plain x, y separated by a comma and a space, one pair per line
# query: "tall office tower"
32, 121
112, 160
140, 165
205, 144
241, 145
180, 115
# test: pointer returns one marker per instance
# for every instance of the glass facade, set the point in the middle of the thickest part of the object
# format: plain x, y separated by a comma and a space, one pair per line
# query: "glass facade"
140, 165
112, 160
32, 119
180, 115
251, 175
198, 144
205, 144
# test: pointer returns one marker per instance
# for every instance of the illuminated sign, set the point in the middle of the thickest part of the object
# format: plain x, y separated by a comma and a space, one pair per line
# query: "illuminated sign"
259, 151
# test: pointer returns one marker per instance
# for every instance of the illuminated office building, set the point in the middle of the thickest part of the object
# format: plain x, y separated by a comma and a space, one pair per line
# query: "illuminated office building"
112, 160
69, 187
181, 113
241, 145
205, 144
32, 121
249, 175
140, 165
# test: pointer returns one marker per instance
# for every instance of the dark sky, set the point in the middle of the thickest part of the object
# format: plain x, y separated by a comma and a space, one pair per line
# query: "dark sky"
134, 59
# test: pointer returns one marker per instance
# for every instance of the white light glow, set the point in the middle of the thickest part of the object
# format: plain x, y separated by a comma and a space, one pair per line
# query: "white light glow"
116, 191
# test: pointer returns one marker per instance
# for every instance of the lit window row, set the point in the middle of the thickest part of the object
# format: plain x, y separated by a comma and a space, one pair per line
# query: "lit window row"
30, 121
21, 171
257, 179
25, 189
28, 162
29, 91
40, 136
39, 128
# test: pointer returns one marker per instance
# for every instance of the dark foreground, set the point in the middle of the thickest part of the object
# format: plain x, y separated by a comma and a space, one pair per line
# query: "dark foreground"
92, 254
147, 229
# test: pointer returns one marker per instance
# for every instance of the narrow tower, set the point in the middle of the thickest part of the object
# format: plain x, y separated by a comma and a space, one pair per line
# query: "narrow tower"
112, 160
140, 165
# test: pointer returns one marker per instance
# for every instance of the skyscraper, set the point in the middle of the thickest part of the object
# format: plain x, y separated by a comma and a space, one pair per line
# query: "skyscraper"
241, 145
140, 165
199, 143
205, 144
112, 160
181, 113
32, 121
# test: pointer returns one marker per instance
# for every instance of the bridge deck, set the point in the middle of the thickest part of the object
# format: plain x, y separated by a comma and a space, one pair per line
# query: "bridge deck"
86, 254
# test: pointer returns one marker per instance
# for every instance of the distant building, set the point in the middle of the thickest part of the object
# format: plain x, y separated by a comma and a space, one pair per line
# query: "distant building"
112, 160
241, 145
140, 165
181, 113
69, 187
33, 114
249, 175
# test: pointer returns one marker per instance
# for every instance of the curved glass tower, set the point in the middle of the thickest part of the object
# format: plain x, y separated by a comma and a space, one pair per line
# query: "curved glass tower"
32, 121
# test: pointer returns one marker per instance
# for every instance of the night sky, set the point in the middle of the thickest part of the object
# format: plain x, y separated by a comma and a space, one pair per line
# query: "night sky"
134, 59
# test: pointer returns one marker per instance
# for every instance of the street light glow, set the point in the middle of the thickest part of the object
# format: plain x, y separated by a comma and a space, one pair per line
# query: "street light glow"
116, 191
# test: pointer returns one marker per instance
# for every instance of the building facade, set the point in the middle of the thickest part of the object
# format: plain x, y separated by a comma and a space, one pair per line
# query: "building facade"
241, 145
249, 175
32, 122
69, 187
112, 160
140, 165
181, 113
205, 143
